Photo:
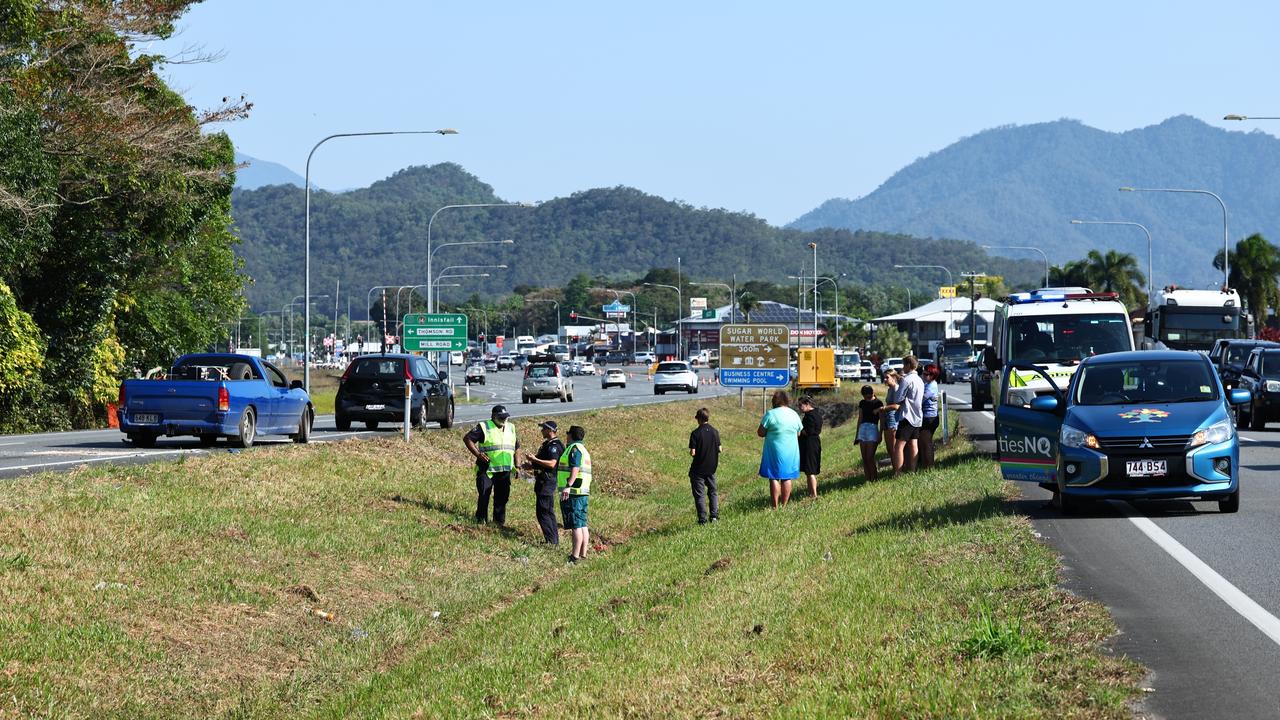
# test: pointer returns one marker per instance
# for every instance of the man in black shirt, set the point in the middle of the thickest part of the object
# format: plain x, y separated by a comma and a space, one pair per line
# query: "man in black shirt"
704, 448
544, 480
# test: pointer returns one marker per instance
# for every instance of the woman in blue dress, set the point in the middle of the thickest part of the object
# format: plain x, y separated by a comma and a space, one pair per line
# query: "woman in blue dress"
780, 461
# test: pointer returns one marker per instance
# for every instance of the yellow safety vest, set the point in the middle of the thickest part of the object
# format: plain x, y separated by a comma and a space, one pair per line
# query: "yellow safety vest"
583, 484
500, 445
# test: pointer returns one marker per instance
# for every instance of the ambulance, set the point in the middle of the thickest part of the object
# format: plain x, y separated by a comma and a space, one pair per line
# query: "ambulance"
1053, 329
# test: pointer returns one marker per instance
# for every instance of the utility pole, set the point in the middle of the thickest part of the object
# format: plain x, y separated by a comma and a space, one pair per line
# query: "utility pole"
973, 307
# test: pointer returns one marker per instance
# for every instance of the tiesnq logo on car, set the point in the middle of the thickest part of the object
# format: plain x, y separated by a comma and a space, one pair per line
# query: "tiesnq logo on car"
1130, 425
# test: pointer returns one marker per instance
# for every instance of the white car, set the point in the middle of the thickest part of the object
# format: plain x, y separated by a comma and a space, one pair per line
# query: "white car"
575, 367
674, 375
506, 362
645, 357
887, 365
457, 357
475, 374
866, 370
588, 368
613, 378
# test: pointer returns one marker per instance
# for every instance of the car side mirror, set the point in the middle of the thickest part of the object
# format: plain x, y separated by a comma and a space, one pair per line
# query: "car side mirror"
989, 359
1240, 396
296, 385
1045, 403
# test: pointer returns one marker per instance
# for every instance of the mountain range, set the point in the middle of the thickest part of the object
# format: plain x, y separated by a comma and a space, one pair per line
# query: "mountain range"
1021, 185
378, 236
256, 173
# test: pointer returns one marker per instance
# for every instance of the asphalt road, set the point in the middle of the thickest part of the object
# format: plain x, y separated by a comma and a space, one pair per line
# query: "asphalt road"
1194, 592
26, 454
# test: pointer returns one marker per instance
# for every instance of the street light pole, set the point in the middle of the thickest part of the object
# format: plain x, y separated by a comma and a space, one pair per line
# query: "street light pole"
557, 304
306, 358
431, 305
1150, 272
1024, 247
679, 314
951, 304
1226, 239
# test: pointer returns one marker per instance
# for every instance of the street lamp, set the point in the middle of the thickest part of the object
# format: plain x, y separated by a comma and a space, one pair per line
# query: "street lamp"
431, 251
1226, 242
1024, 247
679, 315
1150, 272
289, 308
837, 287
557, 304
951, 305
306, 359
814, 247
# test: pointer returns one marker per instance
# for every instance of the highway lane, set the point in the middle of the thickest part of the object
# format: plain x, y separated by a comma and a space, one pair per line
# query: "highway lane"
26, 454
1207, 659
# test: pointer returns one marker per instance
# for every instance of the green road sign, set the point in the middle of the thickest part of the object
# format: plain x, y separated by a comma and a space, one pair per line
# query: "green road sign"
425, 332
709, 314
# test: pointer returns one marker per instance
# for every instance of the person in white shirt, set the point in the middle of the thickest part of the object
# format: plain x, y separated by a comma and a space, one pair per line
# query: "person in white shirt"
910, 414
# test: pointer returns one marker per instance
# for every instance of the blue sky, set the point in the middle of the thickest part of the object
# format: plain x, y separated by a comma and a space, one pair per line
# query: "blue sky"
769, 108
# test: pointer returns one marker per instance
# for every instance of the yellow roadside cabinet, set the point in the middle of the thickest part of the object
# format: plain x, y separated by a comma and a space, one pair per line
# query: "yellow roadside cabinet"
816, 369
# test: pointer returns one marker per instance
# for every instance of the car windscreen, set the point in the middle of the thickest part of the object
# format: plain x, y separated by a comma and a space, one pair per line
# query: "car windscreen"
1270, 365
214, 367
378, 369
541, 371
1065, 338
1237, 353
670, 367
1145, 381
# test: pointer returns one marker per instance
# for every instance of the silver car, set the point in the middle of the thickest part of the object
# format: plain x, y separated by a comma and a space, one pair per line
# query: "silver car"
544, 381
613, 377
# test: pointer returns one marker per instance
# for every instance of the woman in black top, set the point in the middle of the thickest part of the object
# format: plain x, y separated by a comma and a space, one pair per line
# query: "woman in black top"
810, 443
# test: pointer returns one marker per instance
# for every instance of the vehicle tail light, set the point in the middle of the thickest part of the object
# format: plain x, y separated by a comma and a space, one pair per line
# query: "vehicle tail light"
346, 373
121, 399
224, 400
407, 375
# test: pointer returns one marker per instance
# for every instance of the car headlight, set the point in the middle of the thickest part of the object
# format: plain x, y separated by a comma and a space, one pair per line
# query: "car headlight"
1075, 437
1218, 432
1273, 386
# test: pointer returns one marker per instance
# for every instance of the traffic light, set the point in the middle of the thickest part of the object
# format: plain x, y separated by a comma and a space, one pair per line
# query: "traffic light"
573, 314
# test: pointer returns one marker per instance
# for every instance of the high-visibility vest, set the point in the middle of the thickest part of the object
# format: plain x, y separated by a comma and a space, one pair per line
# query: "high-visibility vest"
583, 484
500, 445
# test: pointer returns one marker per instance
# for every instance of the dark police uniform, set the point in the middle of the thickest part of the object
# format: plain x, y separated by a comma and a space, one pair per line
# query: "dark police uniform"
544, 486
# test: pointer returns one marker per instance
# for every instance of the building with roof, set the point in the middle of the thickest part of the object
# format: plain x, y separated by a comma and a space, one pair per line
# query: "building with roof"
942, 319
701, 332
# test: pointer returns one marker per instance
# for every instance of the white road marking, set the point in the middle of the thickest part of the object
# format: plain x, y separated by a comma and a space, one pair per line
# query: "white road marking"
84, 461
1248, 439
989, 415
1237, 600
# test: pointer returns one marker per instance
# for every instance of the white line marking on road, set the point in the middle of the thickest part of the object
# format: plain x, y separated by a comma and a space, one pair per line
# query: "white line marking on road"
1237, 600
12, 443
100, 459
1249, 439
989, 415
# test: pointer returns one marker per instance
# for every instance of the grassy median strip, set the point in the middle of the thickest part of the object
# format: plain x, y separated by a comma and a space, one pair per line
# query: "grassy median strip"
347, 579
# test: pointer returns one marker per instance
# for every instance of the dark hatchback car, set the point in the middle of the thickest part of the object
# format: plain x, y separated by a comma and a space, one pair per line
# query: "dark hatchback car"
372, 391
1261, 378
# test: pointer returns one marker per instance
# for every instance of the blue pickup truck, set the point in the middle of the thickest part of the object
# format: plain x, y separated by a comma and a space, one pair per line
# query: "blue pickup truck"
213, 395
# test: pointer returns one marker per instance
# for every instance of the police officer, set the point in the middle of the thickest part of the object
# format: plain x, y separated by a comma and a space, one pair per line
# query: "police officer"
573, 478
544, 480
494, 445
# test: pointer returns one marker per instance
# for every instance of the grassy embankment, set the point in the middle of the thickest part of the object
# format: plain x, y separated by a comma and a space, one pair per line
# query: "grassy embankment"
191, 590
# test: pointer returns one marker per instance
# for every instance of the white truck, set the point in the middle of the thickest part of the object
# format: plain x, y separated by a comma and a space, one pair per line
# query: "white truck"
1053, 329
1193, 319
848, 365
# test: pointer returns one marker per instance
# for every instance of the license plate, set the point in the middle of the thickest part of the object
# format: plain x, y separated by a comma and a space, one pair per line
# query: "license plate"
146, 418
375, 407
1146, 468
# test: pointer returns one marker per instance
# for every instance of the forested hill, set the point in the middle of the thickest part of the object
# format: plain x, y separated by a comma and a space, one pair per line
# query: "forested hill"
1020, 185
378, 236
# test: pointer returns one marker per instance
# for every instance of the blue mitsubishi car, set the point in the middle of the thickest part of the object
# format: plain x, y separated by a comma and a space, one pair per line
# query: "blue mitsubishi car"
1129, 426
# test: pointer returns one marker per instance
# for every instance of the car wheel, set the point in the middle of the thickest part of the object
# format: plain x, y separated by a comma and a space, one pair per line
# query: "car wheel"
341, 422
693, 390
303, 436
533, 400
246, 429
371, 424
656, 391
564, 397
1256, 421
570, 397
447, 421
1230, 503
208, 440
143, 440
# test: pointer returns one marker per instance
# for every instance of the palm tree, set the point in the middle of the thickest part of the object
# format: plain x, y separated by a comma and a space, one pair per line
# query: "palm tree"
1116, 272
1255, 263
746, 303
1069, 275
